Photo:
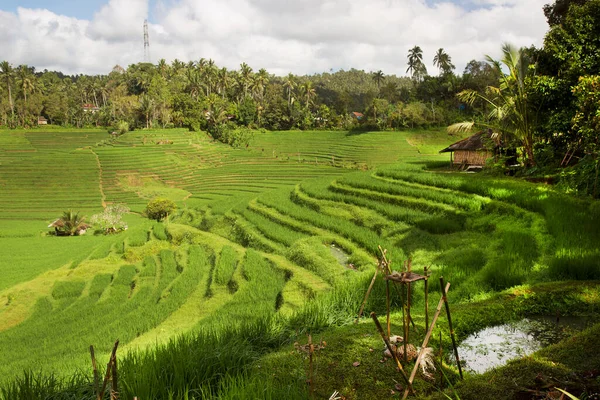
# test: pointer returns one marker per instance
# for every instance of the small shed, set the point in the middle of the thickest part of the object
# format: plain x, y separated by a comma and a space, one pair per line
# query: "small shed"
475, 150
42, 121
356, 115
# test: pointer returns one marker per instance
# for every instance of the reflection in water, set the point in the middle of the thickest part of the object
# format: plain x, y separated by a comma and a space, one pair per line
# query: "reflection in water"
494, 346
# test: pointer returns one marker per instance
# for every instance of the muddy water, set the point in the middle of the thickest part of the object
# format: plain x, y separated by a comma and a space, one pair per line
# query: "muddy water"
494, 346
339, 255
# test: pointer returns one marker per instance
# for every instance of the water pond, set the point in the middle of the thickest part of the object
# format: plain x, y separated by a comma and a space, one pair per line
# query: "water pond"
494, 346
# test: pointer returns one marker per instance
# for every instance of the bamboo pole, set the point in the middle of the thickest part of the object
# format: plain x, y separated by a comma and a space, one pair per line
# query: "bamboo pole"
389, 347
426, 341
405, 324
387, 306
450, 325
114, 391
362, 306
95, 368
113, 357
311, 349
426, 299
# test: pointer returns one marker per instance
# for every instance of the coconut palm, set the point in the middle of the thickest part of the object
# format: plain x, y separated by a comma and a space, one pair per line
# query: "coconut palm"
309, 92
70, 224
290, 84
443, 61
146, 107
511, 114
223, 81
415, 63
378, 77
7, 74
245, 77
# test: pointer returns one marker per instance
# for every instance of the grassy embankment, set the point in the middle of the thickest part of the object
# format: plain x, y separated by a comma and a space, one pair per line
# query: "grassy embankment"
197, 274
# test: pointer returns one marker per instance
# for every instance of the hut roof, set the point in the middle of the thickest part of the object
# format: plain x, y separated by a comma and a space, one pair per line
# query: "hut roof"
483, 140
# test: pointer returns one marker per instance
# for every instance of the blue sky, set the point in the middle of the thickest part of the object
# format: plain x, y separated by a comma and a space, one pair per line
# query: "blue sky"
82, 9
282, 36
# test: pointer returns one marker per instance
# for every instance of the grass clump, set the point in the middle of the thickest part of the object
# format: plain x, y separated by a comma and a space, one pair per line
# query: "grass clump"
313, 255
226, 265
67, 289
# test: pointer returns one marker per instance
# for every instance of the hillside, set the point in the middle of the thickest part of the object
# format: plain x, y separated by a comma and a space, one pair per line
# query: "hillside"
269, 241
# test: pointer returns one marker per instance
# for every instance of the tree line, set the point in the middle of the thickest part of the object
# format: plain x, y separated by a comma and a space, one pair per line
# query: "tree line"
546, 99
200, 94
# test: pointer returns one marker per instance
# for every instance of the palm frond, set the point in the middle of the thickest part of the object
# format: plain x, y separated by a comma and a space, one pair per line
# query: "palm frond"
460, 127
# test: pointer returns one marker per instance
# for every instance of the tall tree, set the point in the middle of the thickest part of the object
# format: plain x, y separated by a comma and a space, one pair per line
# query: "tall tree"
511, 112
416, 68
443, 61
290, 84
245, 77
7, 74
378, 77
309, 92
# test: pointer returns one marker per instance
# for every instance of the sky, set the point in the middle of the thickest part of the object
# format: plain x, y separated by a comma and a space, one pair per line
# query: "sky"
282, 36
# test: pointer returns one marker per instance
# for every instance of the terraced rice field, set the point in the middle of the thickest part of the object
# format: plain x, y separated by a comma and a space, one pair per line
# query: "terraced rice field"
260, 231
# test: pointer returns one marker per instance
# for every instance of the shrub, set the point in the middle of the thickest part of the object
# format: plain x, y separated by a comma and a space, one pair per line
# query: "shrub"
110, 220
159, 208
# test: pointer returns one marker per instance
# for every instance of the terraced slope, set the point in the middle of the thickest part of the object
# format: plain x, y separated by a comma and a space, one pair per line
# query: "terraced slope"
257, 234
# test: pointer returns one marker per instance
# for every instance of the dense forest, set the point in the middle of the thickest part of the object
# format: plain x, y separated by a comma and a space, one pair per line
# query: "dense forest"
546, 100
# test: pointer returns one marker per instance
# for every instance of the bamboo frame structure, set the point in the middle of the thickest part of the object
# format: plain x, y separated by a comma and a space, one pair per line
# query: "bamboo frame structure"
426, 341
394, 355
445, 297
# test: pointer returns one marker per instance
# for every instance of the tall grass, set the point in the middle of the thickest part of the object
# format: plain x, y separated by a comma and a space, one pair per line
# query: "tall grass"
225, 267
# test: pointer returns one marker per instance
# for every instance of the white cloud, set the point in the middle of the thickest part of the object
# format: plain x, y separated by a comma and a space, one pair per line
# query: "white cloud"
301, 36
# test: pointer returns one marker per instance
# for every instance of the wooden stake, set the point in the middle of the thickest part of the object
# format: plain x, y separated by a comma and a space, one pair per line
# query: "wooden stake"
426, 340
311, 349
426, 299
389, 347
441, 363
362, 306
96, 378
387, 305
450, 325
113, 358
405, 324
114, 392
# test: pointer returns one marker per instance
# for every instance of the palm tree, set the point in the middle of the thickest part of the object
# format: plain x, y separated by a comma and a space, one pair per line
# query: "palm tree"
163, 67
245, 77
443, 61
290, 84
223, 81
146, 108
7, 74
260, 83
415, 63
194, 83
511, 113
70, 224
309, 92
378, 77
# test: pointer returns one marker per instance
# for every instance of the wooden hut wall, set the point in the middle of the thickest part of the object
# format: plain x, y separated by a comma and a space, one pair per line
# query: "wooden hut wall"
471, 157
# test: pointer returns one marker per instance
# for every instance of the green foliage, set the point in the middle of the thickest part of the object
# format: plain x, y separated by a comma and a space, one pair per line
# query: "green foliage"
111, 219
226, 265
70, 224
311, 254
67, 289
160, 232
159, 208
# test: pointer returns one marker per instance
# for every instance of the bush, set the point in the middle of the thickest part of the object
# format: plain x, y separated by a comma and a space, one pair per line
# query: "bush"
110, 221
159, 208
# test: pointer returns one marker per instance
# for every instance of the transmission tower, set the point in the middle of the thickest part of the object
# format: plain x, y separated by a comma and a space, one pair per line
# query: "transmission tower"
146, 42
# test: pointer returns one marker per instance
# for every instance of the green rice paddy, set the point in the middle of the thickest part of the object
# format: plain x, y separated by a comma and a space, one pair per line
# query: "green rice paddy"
249, 250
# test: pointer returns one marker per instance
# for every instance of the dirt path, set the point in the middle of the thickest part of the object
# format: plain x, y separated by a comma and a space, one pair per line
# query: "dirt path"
100, 178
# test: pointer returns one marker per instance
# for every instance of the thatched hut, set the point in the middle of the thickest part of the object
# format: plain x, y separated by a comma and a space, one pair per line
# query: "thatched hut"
475, 150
